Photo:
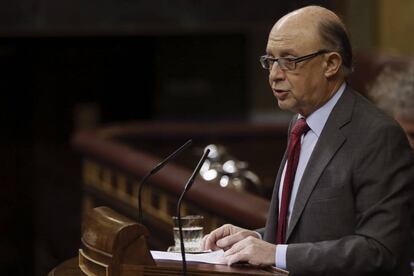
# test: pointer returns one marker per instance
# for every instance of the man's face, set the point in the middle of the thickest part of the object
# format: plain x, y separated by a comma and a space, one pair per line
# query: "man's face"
408, 127
304, 89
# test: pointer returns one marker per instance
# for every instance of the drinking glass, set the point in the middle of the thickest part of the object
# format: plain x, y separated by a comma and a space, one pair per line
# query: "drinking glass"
192, 227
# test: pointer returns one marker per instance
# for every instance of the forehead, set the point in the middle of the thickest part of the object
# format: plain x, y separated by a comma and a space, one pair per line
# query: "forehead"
292, 39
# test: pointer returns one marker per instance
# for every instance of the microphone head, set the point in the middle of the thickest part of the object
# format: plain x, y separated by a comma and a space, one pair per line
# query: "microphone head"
197, 170
171, 156
158, 167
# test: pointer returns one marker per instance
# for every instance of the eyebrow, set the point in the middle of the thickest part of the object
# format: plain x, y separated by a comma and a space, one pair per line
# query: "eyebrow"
287, 52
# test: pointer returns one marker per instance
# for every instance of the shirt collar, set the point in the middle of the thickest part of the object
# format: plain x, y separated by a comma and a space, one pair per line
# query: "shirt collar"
316, 121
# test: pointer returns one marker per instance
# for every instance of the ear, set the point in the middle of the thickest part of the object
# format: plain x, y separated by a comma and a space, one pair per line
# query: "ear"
333, 62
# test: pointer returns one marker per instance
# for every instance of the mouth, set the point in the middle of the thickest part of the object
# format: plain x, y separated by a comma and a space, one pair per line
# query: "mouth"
280, 94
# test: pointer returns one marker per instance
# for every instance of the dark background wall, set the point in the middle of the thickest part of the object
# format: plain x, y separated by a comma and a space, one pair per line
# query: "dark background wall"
70, 64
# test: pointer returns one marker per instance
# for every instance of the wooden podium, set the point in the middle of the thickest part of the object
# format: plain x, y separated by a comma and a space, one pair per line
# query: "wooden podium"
114, 245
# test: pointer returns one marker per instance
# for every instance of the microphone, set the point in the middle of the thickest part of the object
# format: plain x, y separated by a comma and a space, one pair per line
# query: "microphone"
154, 171
186, 188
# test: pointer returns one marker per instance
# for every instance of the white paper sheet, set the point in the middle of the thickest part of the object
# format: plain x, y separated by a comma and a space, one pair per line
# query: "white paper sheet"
213, 257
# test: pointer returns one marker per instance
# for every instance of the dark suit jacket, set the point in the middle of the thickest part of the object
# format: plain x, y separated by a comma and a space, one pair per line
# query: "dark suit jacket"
352, 213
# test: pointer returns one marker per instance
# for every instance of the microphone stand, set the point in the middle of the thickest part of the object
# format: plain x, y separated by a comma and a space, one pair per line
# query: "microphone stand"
154, 171
187, 187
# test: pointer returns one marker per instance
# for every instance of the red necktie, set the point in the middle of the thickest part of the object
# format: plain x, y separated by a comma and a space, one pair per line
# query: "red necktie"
299, 128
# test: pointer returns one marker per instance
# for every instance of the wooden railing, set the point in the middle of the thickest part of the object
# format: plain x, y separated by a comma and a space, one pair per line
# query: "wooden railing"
115, 158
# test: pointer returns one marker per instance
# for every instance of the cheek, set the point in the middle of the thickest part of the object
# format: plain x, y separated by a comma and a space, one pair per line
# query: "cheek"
299, 85
310, 85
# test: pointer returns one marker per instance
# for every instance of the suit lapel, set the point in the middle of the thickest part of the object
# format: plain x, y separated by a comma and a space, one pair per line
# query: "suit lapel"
329, 142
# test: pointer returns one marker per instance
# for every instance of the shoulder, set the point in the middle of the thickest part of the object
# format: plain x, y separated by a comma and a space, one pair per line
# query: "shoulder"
364, 126
367, 117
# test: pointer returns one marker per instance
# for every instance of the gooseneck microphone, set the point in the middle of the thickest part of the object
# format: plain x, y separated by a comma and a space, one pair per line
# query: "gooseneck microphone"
154, 171
187, 187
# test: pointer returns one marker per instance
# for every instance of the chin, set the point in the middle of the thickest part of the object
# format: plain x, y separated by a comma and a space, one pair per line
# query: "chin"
284, 105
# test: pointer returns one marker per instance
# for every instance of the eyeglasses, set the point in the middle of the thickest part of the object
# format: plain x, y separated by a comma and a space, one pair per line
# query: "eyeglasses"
286, 63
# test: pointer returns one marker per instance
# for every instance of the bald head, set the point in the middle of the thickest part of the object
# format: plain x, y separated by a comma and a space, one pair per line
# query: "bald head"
309, 16
322, 26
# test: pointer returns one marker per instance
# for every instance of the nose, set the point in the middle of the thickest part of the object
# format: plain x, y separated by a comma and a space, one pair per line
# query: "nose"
276, 74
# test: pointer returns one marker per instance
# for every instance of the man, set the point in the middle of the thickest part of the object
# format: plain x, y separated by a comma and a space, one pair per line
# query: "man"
341, 204
393, 91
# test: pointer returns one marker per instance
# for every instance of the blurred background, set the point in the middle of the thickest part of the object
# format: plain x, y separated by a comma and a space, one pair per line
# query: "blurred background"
70, 65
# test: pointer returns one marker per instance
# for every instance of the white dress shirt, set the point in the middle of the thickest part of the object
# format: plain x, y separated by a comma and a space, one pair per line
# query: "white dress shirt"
316, 122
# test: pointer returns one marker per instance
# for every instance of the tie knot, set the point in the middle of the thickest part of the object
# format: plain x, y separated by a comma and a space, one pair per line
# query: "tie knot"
300, 127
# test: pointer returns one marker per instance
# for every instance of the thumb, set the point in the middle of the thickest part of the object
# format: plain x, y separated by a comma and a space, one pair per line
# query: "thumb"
228, 241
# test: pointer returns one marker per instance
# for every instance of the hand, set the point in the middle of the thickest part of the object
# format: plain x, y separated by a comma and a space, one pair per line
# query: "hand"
225, 236
252, 250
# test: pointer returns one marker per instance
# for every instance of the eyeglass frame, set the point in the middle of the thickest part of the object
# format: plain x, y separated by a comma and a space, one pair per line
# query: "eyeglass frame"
293, 61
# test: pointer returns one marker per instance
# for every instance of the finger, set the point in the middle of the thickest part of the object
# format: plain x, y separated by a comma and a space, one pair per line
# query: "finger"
203, 242
237, 247
210, 244
240, 252
230, 240
211, 239
237, 257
